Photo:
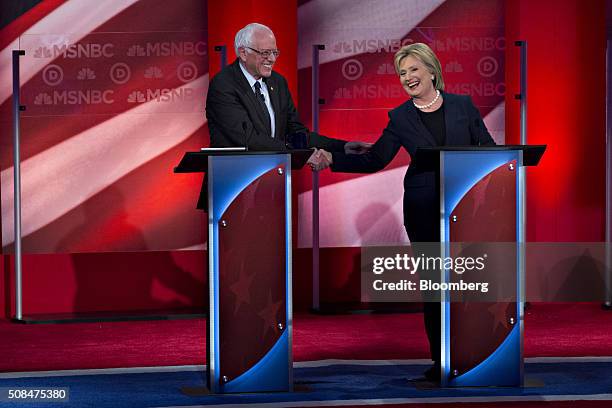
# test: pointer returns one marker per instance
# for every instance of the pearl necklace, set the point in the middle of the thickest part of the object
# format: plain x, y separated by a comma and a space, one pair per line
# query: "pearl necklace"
430, 104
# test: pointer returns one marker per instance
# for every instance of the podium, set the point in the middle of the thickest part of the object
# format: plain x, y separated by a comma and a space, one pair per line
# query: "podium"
249, 328
482, 209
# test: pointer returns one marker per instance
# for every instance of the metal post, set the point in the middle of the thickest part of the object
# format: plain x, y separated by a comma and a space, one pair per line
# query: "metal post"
523, 95
223, 50
315, 179
17, 185
444, 294
522, 221
212, 370
608, 265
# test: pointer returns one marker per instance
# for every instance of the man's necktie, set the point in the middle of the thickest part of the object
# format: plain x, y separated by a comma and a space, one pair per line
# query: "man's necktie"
261, 98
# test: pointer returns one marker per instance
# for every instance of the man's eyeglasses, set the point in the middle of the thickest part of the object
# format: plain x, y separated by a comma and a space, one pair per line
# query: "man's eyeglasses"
266, 53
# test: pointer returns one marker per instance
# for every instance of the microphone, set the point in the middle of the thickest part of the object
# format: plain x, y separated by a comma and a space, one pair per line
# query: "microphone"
246, 138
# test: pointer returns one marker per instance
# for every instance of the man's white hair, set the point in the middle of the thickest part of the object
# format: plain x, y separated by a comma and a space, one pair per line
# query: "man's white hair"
244, 37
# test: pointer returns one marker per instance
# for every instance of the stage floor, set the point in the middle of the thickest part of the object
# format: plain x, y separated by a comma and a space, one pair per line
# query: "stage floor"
324, 383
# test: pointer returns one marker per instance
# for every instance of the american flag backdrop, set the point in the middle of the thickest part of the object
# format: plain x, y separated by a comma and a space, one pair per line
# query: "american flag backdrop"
114, 99
115, 94
359, 85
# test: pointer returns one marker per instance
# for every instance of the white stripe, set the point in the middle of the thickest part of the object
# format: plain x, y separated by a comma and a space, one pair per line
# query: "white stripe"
197, 247
62, 177
389, 401
103, 371
553, 360
77, 17
373, 218
298, 364
354, 22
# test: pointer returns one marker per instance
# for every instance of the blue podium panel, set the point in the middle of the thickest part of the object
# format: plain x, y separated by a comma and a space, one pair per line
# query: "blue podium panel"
249, 328
480, 210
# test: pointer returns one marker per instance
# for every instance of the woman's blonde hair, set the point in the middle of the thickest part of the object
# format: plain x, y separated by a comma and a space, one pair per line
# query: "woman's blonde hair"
426, 56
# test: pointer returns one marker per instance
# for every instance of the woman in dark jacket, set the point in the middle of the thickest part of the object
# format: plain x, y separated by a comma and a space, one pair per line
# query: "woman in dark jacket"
430, 117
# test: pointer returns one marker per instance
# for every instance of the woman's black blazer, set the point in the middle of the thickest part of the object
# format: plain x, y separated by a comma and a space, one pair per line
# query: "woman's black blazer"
464, 127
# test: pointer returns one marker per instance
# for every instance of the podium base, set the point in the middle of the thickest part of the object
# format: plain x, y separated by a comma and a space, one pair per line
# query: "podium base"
111, 316
195, 391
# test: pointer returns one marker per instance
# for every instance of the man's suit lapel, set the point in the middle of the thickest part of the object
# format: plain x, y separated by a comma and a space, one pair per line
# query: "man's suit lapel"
253, 104
275, 100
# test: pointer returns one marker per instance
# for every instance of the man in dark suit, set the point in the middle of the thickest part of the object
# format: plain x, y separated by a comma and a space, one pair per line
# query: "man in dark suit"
248, 104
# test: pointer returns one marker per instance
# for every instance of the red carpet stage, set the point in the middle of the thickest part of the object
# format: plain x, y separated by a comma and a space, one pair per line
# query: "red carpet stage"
346, 360
551, 330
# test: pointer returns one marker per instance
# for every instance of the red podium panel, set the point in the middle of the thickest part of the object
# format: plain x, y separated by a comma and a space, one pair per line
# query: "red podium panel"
481, 218
252, 282
486, 213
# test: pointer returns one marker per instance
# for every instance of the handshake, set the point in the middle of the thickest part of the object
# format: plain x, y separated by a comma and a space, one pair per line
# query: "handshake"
322, 159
